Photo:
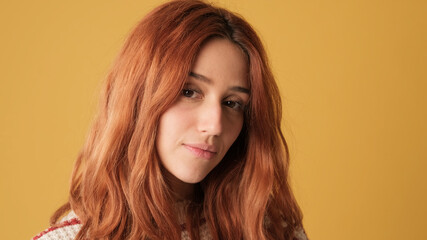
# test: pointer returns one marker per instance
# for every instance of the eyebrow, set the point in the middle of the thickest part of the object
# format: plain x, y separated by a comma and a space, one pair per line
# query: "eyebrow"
209, 81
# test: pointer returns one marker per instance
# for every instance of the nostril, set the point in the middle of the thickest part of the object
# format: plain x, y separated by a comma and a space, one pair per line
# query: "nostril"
211, 121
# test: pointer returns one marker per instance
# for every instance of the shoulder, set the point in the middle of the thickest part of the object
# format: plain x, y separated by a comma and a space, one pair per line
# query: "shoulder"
299, 234
66, 229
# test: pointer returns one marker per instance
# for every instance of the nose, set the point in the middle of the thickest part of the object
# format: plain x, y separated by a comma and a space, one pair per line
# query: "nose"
210, 119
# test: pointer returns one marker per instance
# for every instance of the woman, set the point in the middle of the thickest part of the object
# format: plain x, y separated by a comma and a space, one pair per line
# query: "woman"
187, 142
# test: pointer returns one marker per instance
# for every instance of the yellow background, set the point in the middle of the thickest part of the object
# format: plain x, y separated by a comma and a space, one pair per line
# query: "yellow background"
353, 79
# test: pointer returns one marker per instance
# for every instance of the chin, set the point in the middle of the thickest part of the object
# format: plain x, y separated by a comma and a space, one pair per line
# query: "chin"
192, 179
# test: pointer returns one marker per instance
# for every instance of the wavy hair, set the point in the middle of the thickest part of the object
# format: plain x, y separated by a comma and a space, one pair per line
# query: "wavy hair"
118, 188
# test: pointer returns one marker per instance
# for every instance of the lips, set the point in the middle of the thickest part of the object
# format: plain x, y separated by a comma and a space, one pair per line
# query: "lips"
202, 150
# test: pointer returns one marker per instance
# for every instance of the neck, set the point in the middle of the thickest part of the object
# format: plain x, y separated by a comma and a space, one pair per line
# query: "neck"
180, 190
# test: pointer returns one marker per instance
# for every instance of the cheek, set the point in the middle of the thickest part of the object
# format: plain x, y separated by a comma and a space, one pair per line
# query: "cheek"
174, 119
172, 126
232, 131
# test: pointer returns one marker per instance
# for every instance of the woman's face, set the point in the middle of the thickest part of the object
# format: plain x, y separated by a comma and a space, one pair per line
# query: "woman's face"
198, 129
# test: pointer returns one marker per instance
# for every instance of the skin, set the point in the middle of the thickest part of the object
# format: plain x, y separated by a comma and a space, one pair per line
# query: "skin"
198, 129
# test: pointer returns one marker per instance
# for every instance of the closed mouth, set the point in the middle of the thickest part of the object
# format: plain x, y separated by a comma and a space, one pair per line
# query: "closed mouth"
201, 150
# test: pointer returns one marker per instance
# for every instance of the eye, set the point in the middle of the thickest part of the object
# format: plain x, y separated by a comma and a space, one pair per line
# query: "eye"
235, 105
190, 93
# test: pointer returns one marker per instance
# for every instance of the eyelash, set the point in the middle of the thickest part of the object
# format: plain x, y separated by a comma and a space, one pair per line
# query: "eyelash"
234, 105
193, 91
237, 105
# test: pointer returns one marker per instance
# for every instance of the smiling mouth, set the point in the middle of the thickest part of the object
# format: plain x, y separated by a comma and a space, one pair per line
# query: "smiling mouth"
201, 151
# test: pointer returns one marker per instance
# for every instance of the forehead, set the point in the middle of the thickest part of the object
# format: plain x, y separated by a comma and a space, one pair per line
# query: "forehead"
221, 60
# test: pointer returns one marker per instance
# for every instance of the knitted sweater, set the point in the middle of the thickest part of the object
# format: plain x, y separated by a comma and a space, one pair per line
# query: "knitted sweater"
70, 226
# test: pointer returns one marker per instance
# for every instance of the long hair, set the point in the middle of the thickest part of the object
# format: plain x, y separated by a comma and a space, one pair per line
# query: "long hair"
118, 189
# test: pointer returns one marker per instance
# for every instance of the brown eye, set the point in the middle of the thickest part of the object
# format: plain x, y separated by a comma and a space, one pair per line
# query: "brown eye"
234, 105
188, 93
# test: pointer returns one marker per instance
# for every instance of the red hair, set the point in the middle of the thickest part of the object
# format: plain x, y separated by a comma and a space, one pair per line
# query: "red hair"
118, 188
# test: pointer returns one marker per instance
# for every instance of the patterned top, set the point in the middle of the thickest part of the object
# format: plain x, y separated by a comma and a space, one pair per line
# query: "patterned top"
67, 229
70, 226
